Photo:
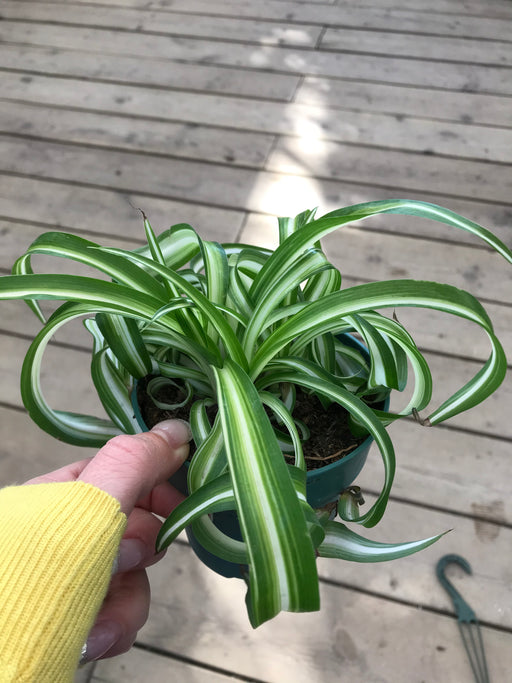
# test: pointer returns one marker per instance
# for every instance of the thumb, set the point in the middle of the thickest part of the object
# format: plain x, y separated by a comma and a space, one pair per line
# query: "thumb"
128, 467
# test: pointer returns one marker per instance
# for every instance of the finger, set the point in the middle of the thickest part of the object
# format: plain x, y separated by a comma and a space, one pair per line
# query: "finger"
129, 467
162, 499
137, 548
66, 473
124, 612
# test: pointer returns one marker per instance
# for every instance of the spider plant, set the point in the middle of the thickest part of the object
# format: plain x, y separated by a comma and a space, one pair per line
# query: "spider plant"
240, 327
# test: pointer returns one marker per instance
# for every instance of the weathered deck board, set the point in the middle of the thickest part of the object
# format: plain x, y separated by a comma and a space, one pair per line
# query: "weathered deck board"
413, 581
26, 452
468, 7
356, 633
398, 70
135, 665
334, 160
448, 45
470, 19
230, 187
224, 114
102, 211
148, 72
162, 22
465, 7
401, 102
177, 139
442, 48
225, 186
412, 134
397, 100
432, 467
69, 206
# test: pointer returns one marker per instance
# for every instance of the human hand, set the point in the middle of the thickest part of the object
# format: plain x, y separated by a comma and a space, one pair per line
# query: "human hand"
134, 470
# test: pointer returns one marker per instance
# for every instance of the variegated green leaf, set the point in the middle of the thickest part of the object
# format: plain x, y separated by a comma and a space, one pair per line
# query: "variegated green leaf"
342, 543
206, 308
321, 284
282, 569
218, 496
109, 384
123, 337
422, 393
178, 245
280, 410
192, 375
215, 496
307, 265
287, 226
91, 296
209, 461
80, 430
190, 326
310, 376
388, 366
323, 316
218, 543
285, 255
155, 386
216, 272
118, 267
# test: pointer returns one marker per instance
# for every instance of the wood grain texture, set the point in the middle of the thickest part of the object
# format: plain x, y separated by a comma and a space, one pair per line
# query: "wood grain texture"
401, 102
168, 115
134, 666
147, 71
358, 633
388, 69
443, 16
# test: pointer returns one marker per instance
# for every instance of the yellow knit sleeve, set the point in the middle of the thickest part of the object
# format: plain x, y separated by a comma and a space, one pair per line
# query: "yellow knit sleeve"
58, 543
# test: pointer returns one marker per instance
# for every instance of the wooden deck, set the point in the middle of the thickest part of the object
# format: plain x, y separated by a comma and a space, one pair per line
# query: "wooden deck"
225, 114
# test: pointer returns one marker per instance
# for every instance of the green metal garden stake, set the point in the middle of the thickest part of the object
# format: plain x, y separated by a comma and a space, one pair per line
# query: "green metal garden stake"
468, 623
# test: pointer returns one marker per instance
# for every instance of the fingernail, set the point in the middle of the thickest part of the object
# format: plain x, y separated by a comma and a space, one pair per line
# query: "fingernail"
131, 554
102, 637
177, 432
182, 453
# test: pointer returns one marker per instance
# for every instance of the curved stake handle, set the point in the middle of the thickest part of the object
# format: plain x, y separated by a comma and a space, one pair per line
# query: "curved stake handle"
468, 623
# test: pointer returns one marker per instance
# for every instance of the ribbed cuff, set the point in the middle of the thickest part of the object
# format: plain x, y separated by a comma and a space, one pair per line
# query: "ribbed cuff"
58, 542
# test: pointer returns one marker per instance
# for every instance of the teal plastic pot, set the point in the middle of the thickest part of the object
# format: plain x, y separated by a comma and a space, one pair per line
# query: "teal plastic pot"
323, 486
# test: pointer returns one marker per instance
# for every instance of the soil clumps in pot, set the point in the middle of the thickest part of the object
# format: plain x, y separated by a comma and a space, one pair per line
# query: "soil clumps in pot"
330, 436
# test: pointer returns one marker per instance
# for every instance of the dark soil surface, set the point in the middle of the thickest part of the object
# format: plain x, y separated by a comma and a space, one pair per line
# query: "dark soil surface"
330, 436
